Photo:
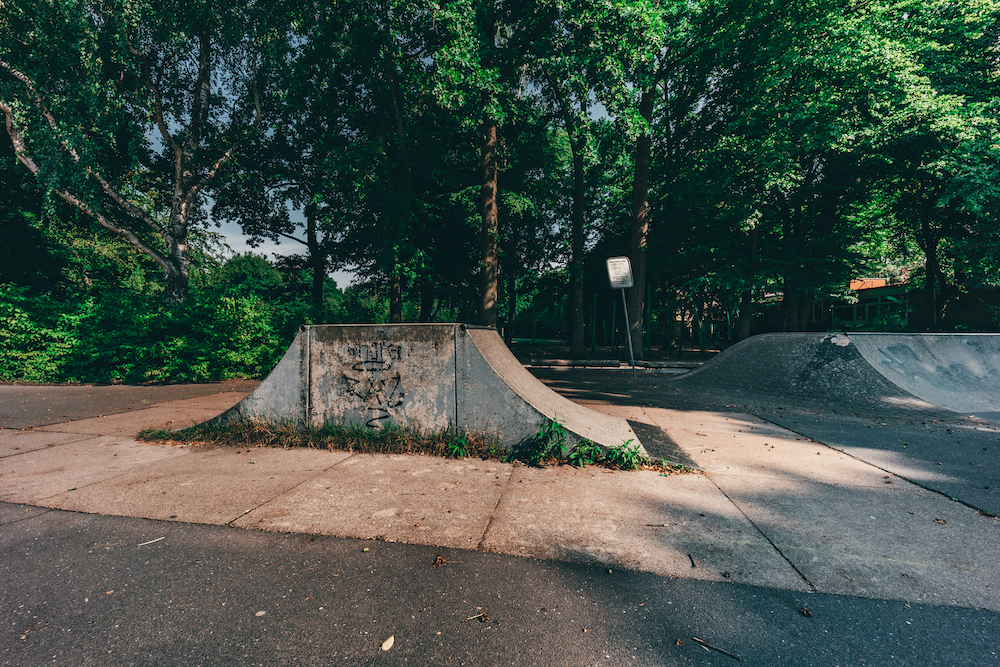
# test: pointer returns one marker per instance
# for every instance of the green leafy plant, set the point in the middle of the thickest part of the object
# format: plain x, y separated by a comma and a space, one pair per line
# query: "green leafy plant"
585, 453
625, 457
549, 443
667, 464
458, 448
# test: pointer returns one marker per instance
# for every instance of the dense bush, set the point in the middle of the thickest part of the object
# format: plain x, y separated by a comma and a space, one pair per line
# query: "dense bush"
134, 338
236, 323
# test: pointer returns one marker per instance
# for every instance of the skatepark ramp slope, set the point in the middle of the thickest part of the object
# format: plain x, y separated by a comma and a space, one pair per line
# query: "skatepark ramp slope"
959, 372
426, 377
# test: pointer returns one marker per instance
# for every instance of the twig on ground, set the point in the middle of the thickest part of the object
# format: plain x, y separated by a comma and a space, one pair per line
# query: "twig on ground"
716, 648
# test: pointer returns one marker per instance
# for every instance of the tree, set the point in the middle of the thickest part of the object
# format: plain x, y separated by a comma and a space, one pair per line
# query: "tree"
941, 156
566, 74
128, 111
479, 61
647, 44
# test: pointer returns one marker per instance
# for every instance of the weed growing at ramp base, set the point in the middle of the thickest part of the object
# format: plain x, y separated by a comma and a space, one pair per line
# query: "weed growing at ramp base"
548, 447
353, 438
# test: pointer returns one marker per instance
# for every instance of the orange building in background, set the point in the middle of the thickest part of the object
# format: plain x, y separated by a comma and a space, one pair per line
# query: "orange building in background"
867, 283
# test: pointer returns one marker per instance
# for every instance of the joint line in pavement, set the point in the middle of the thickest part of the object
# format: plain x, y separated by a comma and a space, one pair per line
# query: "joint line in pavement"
812, 586
493, 514
289, 490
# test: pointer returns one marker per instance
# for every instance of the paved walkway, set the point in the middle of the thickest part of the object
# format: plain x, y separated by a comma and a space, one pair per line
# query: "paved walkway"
773, 508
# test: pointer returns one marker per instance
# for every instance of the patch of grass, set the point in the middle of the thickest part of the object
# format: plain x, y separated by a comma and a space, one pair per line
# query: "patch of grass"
549, 446
549, 443
352, 438
458, 448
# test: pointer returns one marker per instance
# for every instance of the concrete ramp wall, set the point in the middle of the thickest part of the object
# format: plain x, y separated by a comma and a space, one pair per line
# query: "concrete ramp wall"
960, 372
921, 372
420, 376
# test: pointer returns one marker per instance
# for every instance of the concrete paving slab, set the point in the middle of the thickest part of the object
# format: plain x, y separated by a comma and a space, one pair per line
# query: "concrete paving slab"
130, 423
210, 486
18, 442
636, 520
25, 406
219, 402
415, 499
899, 542
817, 509
740, 444
957, 458
34, 476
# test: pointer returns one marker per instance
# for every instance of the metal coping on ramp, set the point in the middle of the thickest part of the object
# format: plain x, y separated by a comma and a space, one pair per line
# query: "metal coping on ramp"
426, 377
882, 371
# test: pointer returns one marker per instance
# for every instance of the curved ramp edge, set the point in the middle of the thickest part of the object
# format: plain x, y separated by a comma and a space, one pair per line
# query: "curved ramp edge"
496, 392
283, 396
960, 372
824, 369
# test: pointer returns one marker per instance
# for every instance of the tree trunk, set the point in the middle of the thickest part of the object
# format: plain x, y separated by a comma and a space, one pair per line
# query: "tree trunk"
932, 267
790, 304
746, 299
508, 334
176, 285
640, 225
577, 345
489, 232
176, 270
396, 293
806, 302
426, 301
317, 263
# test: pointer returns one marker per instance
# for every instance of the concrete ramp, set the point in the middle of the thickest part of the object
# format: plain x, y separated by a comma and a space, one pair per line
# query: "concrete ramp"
426, 377
922, 372
960, 372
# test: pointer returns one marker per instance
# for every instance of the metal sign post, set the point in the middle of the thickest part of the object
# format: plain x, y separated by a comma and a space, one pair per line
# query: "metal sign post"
620, 277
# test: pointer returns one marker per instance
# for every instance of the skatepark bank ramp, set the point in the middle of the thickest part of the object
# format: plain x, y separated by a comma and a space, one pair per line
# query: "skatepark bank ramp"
960, 372
425, 377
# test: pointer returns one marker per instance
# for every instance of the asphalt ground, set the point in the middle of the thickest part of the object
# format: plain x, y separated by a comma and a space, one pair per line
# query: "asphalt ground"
80, 589
87, 589
30, 406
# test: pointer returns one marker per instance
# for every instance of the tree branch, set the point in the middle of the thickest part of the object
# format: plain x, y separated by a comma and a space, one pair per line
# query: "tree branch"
51, 120
200, 102
157, 96
289, 236
210, 174
203, 181
20, 150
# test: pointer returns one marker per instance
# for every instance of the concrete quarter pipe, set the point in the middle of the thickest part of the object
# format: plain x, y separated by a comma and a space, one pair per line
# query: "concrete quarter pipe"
421, 376
960, 372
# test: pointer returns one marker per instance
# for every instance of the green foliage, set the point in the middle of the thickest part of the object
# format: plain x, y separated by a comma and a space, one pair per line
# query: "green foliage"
585, 453
548, 443
135, 338
458, 448
362, 306
625, 457
35, 336
793, 148
235, 325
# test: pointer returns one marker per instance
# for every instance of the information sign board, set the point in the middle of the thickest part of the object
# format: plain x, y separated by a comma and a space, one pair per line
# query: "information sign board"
619, 272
